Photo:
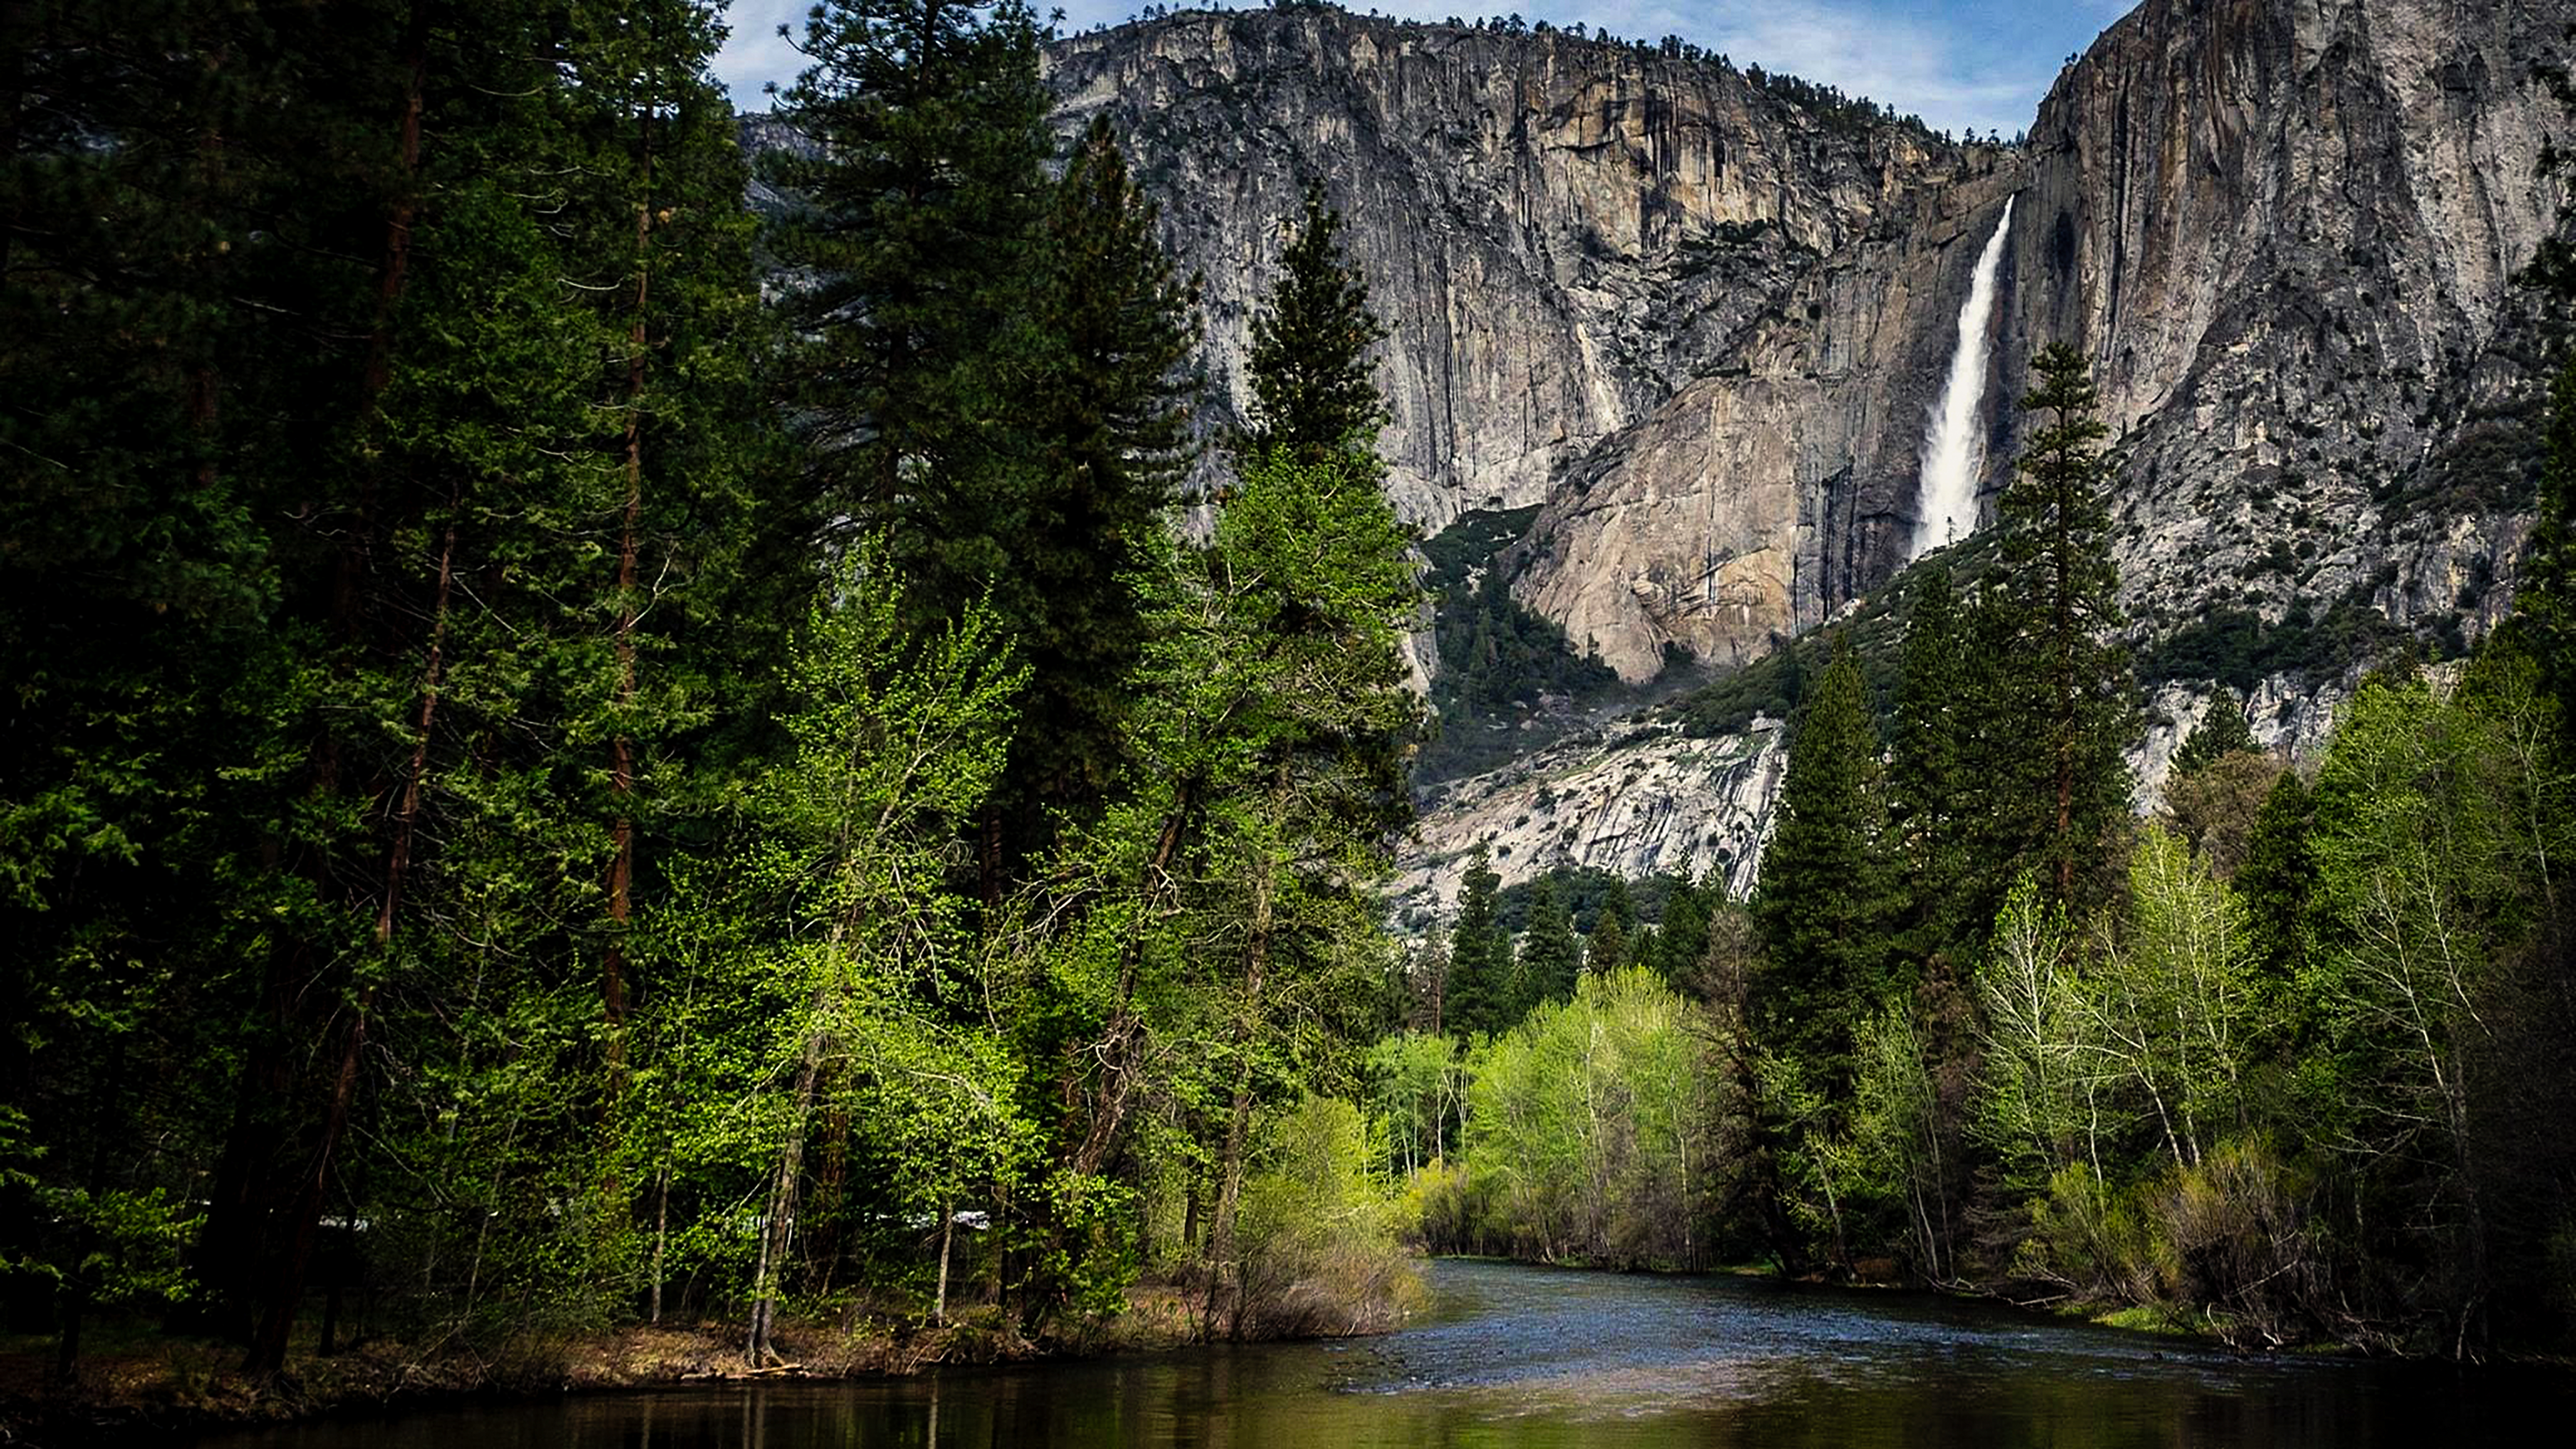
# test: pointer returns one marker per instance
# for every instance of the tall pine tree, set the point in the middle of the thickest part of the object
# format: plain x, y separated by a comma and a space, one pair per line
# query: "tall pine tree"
2056, 747
1822, 903
1480, 954
1313, 389
995, 373
1111, 421
1550, 952
2222, 731
1929, 797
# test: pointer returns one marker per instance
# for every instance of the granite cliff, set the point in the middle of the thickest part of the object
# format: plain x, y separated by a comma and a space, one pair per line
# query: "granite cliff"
1700, 315
1562, 232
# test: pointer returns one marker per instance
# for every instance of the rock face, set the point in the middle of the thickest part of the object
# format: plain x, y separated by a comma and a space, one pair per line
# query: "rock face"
1702, 319
2288, 229
1704, 322
1765, 494
1561, 232
1640, 801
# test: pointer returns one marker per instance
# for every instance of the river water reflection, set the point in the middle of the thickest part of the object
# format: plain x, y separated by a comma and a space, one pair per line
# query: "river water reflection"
1513, 1356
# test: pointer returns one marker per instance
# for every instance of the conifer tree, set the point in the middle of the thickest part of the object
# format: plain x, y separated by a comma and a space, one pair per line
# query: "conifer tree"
1682, 938
1295, 613
1606, 949
995, 377
1480, 954
2545, 594
1313, 387
914, 229
1112, 419
1317, 406
1608, 946
2222, 731
2066, 713
1822, 903
1550, 953
417, 291
1929, 797
2278, 877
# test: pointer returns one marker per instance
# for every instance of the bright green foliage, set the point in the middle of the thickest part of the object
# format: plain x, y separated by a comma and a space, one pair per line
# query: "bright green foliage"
2041, 1081
1814, 1167
1416, 1090
1276, 700
1319, 1225
1587, 1128
2222, 731
2061, 714
2176, 1000
1313, 389
2437, 1054
1822, 904
1480, 956
1866, 1168
2434, 829
1549, 954
860, 994
1900, 1139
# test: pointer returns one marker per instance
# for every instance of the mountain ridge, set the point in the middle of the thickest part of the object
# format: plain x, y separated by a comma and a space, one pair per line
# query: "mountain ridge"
1701, 325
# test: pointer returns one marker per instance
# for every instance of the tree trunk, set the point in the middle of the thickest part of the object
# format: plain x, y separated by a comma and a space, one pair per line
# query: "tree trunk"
661, 1235
1225, 1279
1117, 1076
947, 1231
396, 266
18, 29
254, 1139
268, 1349
621, 772
2065, 622
778, 1231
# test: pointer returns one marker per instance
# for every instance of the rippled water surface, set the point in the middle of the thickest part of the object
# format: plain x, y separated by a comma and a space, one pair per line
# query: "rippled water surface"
1528, 1356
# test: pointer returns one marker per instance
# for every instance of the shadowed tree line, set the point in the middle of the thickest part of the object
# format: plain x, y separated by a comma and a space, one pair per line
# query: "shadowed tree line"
547, 787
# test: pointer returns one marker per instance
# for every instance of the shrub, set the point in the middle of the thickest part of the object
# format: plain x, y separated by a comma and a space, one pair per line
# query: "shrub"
1318, 1229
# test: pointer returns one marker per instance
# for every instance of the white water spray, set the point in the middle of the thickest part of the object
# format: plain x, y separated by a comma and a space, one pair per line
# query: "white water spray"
1950, 453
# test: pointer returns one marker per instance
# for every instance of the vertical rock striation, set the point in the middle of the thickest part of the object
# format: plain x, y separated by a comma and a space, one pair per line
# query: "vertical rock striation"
1702, 321
1562, 232
1701, 318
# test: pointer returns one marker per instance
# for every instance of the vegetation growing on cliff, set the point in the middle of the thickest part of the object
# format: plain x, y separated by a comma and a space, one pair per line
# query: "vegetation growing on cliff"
1500, 663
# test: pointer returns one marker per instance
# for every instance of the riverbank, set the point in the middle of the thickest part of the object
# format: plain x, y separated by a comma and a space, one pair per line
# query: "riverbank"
138, 1386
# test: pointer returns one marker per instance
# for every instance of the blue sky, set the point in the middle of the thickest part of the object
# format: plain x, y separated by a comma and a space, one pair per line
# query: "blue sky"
1959, 64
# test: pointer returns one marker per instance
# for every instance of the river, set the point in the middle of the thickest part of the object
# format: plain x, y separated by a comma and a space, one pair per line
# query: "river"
1517, 1356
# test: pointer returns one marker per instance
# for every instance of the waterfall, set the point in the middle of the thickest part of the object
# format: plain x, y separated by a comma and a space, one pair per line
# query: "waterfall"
1949, 507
